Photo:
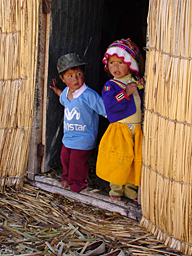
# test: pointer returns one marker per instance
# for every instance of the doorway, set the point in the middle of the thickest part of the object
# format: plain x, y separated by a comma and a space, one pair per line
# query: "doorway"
87, 28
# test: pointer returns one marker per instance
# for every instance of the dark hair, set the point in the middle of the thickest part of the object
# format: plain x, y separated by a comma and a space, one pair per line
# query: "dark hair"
82, 68
108, 73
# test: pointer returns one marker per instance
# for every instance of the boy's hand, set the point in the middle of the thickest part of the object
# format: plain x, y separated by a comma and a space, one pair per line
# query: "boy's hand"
55, 82
130, 87
55, 88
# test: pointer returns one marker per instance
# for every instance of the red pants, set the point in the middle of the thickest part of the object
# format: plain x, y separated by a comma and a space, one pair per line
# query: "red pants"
75, 167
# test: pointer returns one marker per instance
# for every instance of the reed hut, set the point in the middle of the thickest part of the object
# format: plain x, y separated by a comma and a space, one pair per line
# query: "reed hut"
33, 34
167, 146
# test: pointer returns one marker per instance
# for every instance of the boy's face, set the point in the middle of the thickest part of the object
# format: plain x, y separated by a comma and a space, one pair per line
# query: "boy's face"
117, 67
73, 78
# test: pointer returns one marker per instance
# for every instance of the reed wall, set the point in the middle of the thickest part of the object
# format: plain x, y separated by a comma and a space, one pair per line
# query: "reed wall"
18, 60
167, 149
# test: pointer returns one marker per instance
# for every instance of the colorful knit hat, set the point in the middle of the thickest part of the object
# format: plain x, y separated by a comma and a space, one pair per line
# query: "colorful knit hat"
125, 49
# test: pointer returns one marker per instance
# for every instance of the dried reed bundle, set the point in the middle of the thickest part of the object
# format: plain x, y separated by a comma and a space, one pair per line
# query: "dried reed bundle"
167, 147
18, 58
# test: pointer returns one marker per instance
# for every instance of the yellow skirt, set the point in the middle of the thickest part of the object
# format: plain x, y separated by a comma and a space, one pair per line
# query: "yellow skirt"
119, 158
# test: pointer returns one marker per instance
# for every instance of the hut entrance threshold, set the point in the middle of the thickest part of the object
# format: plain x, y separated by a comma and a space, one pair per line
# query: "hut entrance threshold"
90, 196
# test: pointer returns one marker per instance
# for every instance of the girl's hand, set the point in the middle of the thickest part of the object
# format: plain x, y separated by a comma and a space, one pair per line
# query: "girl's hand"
141, 83
55, 88
130, 87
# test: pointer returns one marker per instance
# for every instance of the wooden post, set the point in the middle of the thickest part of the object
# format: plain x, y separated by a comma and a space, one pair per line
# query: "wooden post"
47, 11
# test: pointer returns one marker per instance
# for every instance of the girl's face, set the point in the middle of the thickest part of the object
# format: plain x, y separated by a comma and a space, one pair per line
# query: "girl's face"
117, 67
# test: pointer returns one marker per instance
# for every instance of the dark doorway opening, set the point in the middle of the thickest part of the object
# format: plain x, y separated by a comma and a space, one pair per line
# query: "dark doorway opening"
115, 19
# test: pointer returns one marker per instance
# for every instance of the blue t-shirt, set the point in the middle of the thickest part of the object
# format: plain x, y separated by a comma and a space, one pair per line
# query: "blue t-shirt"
81, 119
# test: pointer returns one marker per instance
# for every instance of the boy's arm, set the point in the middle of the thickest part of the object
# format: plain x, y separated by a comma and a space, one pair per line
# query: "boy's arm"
99, 107
55, 88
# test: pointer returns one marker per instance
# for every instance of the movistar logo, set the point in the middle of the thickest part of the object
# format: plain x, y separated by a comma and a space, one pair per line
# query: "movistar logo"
70, 114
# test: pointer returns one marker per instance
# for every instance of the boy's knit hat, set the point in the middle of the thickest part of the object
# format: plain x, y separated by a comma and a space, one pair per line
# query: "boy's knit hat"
68, 61
125, 49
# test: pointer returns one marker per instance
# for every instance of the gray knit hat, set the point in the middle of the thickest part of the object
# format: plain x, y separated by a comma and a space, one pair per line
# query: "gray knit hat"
68, 61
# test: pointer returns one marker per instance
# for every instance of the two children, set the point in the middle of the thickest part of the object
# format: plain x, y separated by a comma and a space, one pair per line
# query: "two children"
120, 150
82, 107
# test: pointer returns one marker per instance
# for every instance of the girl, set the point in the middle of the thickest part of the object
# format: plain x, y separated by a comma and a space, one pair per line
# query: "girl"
119, 156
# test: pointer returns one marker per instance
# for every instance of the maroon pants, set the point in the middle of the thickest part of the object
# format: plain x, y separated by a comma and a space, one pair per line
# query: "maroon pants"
75, 167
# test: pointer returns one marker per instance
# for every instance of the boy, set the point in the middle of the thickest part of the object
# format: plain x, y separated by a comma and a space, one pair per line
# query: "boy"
81, 118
